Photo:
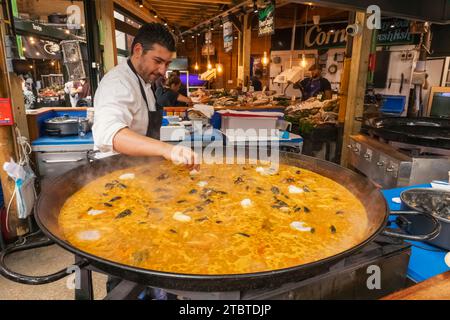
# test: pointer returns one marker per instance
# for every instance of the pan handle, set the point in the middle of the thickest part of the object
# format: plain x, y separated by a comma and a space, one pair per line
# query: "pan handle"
430, 236
28, 244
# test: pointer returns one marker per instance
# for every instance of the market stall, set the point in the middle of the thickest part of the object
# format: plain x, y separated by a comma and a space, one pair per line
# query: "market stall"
313, 161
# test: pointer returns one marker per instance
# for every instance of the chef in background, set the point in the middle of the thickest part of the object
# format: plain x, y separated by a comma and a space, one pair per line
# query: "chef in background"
170, 96
315, 85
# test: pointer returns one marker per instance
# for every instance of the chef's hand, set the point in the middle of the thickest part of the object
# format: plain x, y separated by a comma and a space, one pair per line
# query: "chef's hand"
183, 155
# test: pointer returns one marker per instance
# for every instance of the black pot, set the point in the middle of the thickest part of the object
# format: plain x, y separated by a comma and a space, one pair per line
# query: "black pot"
66, 126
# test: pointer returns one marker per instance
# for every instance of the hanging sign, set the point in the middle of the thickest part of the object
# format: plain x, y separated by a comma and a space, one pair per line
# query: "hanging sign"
208, 48
393, 32
228, 36
266, 21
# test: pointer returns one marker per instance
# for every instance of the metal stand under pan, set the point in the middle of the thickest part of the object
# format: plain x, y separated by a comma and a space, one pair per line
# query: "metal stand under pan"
355, 277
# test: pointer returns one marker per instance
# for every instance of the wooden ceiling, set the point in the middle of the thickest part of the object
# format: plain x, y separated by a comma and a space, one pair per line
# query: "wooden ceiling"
187, 13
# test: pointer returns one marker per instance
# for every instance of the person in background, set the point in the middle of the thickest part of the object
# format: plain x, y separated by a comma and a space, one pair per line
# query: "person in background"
84, 89
183, 89
169, 96
315, 85
256, 80
69, 89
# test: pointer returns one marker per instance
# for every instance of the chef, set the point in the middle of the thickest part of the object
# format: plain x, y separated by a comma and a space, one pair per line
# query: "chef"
127, 119
315, 85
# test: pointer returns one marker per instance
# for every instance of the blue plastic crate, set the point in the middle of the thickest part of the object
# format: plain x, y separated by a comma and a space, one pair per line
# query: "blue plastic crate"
393, 104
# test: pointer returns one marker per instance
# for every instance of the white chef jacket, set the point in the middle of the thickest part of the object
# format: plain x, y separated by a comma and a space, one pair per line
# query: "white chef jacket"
118, 104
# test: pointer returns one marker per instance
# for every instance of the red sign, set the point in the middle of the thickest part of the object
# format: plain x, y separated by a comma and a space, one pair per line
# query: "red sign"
6, 117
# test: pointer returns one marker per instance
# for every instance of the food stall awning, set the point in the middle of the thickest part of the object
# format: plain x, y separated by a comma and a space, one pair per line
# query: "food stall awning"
437, 11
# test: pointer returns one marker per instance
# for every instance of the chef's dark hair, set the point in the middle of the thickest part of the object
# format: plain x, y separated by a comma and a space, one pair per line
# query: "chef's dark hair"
154, 33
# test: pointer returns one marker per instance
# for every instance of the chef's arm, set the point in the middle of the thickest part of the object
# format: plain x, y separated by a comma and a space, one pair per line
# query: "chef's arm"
131, 143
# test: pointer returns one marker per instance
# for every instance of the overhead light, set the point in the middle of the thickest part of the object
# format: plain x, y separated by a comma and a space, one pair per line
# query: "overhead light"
24, 49
31, 67
67, 32
196, 67
141, 3
303, 63
255, 7
52, 63
316, 20
38, 54
219, 68
332, 31
265, 59
182, 40
209, 66
392, 26
198, 34
193, 36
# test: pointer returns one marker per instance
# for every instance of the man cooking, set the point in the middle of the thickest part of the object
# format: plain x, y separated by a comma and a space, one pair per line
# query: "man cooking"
127, 119
315, 85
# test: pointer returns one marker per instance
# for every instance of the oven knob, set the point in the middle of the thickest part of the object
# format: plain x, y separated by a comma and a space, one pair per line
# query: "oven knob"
350, 146
390, 169
367, 156
380, 163
355, 150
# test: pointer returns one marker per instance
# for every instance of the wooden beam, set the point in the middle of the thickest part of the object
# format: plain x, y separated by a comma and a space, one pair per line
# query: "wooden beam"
246, 48
105, 16
203, 1
7, 142
356, 84
143, 13
235, 21
171, 4
167, 13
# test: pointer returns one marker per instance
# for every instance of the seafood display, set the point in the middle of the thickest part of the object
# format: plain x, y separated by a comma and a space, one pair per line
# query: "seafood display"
313, 112
224, 219
233, 98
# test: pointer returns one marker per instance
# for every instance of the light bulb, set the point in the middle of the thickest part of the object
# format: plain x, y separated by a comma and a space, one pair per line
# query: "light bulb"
265, 59
303, 63
196, 66
219, 68
209, 66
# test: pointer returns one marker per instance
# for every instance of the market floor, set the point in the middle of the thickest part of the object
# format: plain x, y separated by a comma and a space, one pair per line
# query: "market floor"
44, 261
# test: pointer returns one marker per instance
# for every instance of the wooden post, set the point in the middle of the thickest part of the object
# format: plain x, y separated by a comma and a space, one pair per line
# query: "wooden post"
246, 47
356, 84
107, 28
7, 143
